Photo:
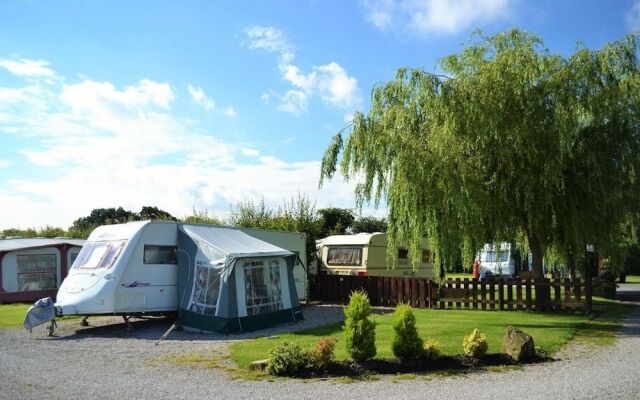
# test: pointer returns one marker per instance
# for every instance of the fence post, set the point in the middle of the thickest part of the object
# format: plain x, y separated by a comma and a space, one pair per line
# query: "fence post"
501, 294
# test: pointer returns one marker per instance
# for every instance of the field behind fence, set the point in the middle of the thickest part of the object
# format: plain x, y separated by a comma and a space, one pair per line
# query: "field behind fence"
469, 294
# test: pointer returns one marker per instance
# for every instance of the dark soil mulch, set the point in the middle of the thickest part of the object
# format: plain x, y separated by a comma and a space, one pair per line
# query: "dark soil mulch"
392, 367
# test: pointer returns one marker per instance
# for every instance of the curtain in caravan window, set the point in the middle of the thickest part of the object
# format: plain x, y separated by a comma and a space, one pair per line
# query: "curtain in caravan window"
37, 271
344, 256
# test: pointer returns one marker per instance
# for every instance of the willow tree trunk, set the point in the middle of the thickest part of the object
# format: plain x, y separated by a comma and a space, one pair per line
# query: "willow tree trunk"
543, 292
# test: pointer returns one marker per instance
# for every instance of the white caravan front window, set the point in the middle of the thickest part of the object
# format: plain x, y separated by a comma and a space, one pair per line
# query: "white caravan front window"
263, 291
99, 254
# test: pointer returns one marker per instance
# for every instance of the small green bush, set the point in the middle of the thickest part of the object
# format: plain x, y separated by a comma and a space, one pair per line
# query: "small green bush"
405, 344
286, 359
475, 344
432, 349
359, 330
321, 356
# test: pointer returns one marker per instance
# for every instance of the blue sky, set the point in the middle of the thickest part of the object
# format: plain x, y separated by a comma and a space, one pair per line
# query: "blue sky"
201, 104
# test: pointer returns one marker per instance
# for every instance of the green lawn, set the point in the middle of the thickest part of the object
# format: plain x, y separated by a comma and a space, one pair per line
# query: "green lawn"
633, 278
550, 331
12, 314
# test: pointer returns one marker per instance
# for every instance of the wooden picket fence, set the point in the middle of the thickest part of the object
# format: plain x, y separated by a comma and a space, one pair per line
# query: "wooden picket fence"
469, 294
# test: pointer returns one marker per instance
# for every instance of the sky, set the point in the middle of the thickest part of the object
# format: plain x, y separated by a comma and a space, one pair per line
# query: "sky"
200, 105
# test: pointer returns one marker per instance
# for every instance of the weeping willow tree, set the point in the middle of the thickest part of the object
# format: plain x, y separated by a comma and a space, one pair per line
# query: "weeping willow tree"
512, 141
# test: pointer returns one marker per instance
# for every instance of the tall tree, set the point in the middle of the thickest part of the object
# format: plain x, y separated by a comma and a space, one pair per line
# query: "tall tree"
489, 152
336, 221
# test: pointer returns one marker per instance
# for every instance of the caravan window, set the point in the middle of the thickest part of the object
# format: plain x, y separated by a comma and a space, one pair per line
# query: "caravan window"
263, 291
206, 288
37, 271
99, 254
160, 254
344, 256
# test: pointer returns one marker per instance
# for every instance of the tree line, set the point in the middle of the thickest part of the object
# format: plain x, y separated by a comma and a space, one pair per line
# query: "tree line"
299, 214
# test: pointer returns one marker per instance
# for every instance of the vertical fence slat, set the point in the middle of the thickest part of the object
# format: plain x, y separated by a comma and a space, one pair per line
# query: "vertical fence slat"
529, 306
483, 294
567, 293
510, 295
465, 288
501, 295
474, 294
492, 295
422, 293
519, 304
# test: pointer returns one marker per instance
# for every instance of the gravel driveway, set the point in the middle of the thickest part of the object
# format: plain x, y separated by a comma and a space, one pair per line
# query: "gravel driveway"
107, 362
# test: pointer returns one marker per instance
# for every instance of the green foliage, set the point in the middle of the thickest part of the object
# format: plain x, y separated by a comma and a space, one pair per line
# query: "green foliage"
83, 226
369, 224
296, 215
46, 231
335, 221
515, 142
359, 330
406, 344
202, 217
286, 359
432, 349
321, 356
154, 213
475, 344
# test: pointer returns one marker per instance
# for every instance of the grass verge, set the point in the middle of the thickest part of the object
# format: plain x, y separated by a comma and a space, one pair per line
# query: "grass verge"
549, 330
12, 315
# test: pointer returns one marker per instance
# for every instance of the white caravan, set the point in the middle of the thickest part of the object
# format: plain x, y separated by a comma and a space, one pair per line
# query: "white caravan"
131, 268
499, 259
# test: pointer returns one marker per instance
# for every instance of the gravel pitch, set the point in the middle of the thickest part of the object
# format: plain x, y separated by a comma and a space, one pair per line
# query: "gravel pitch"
105, 361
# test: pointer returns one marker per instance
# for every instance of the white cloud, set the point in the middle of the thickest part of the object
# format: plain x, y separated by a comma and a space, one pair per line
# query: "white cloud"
230, 112
435, 16
266, 97
105, 146
267, 38
293, 102
249, 152
330, 81
200, 98
27, 68
633, 17
5, 163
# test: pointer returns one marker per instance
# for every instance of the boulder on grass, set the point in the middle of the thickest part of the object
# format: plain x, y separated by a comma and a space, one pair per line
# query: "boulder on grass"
518, 344
259, 365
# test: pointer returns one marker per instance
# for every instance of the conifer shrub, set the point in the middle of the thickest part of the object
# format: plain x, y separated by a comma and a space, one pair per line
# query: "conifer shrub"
432, 349
321, 356
359, 330
475, 344
405, 344
286, 359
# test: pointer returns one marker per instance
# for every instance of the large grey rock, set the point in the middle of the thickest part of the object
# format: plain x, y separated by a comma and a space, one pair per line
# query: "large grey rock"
259, 365
518, 344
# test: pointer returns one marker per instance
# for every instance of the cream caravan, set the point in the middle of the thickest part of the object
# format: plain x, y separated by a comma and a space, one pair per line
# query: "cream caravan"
366, 254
